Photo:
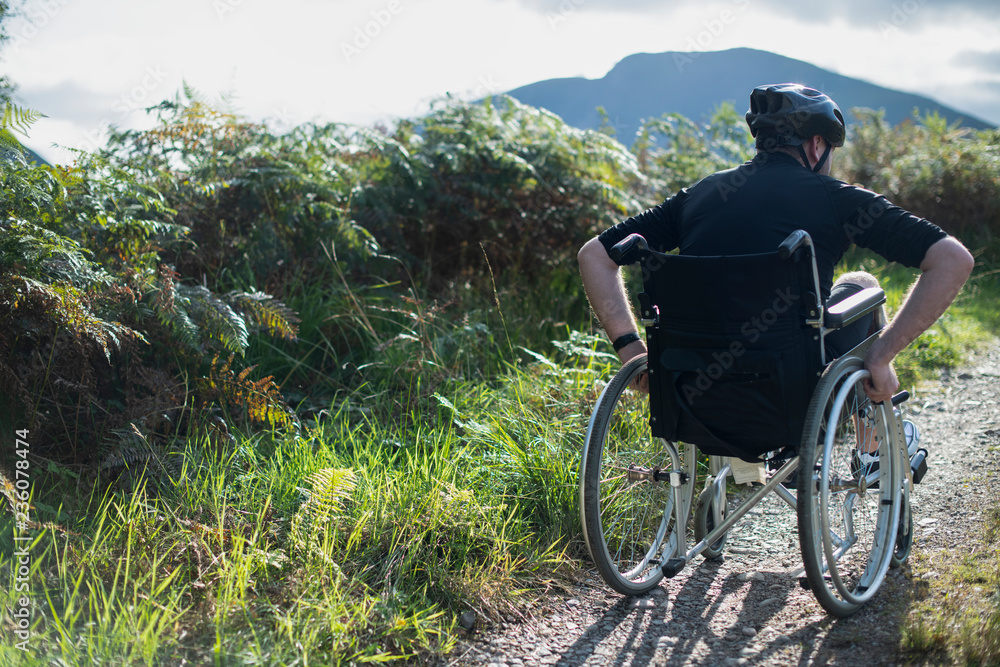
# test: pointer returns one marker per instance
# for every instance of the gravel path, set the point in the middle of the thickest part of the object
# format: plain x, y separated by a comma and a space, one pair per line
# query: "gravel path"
748, 607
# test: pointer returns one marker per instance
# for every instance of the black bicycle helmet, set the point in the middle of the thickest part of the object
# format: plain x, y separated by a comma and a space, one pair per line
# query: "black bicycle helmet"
786, 114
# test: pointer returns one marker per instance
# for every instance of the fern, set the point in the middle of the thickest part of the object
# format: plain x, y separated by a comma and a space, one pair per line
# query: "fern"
131, 455
69, 307
330, 488
197, 316
130, 449
260, 400
171, 314
29, 249
217, 321
16, 119
266, 312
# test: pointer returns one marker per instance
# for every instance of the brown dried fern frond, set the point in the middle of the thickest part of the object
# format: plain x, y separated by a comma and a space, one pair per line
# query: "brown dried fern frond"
261, 400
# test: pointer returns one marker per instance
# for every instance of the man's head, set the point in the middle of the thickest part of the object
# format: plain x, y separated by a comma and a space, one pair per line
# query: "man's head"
791, 116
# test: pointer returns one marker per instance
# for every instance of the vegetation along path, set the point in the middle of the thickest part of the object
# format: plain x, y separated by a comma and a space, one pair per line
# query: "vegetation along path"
748, 607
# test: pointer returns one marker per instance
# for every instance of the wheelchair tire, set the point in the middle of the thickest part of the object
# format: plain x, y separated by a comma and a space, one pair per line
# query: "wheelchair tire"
848, 513
904, 538
704, 523
629, 516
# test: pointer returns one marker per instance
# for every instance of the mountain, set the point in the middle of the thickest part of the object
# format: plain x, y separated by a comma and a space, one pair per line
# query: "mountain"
647, 85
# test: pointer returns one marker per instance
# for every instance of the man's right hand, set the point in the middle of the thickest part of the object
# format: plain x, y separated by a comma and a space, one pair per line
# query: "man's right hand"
882, 384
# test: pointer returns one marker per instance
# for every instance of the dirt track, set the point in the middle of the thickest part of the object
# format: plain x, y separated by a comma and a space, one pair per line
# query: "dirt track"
748, 608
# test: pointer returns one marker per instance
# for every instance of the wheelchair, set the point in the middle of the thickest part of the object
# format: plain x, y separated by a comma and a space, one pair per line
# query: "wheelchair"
738, 374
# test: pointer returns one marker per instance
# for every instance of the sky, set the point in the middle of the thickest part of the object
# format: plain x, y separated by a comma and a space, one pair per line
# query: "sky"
91, 64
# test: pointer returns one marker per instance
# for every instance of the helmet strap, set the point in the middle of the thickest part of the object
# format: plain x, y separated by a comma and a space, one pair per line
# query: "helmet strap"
820, 162
822, 159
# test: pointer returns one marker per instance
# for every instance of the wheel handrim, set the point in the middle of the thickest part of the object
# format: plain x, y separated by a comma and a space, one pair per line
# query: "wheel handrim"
859, 507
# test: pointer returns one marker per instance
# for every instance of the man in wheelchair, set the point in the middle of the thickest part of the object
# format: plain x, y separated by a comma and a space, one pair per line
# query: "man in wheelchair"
783, 197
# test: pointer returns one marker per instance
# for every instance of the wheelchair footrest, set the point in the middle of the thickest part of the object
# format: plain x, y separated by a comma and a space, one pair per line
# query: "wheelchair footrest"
672, 567
918, 464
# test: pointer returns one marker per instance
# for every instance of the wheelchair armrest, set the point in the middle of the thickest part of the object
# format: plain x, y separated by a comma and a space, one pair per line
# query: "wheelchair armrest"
850, 309
629, 250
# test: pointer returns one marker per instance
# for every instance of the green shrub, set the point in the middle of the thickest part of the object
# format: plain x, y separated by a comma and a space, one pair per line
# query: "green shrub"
945, 173
98, 332
497, 182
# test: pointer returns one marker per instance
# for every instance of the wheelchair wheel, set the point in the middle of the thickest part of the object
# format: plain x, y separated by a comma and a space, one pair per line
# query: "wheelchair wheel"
705, 520
628, 509
848, 507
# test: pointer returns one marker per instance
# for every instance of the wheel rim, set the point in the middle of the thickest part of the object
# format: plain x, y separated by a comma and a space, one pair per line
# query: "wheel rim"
904, 539
707, 517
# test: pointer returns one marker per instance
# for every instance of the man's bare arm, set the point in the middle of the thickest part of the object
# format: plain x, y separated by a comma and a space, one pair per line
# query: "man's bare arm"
605, 289
946, 267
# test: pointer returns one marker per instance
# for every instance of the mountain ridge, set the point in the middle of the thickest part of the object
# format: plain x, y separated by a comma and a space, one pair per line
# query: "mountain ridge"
642, 86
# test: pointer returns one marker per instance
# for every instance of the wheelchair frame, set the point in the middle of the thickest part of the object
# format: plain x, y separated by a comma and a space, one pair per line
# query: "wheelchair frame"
854, 523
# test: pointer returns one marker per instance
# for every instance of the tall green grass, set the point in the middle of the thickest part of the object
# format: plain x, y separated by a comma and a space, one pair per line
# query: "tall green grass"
362, 538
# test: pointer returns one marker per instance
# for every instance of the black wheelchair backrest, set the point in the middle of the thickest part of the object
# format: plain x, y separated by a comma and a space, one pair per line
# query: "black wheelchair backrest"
733, 352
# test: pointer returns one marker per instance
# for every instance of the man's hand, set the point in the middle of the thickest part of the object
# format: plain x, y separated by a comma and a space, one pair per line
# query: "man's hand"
882, 384
641, 383
629, 352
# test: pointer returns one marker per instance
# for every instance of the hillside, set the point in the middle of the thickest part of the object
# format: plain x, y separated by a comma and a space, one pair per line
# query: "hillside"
647, 85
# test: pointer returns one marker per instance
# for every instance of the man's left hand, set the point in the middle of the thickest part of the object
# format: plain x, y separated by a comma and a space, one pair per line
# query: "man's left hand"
630, 351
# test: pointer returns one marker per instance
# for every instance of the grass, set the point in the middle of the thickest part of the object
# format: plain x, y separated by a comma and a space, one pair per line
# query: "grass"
357, 540
956, 617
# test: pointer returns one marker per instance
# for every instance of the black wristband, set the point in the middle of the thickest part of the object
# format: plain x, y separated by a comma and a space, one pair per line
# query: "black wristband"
624, 340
